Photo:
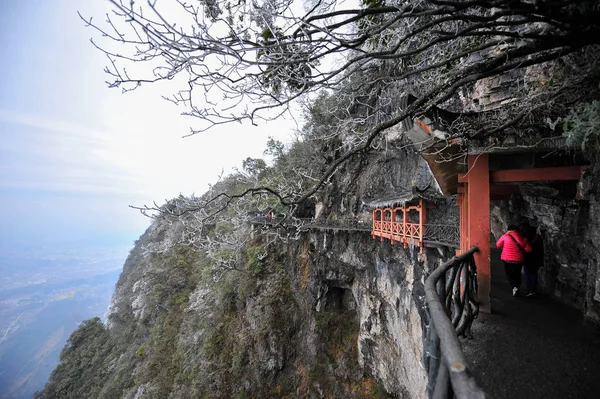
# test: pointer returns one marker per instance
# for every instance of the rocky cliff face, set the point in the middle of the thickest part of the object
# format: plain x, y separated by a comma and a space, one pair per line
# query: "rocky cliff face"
333, 314
384, 283
330, 314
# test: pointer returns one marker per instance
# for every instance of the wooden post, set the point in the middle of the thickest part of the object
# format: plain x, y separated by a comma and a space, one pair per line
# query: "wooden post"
478, 205
391, 230
374, 222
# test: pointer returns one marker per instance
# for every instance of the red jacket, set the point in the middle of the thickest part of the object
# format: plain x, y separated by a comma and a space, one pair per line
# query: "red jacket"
510, 250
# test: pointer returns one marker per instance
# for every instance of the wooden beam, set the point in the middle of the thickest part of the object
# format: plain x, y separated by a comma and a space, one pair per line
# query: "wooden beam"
531, 174
537, 174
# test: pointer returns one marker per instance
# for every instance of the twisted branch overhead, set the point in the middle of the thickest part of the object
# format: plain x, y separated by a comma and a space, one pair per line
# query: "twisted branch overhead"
240, 47
249, 61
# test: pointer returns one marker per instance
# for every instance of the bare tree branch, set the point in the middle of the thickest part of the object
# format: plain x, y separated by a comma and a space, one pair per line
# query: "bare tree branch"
251, 61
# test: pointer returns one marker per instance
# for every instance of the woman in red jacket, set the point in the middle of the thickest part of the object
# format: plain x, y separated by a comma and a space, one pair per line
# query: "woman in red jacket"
514, 246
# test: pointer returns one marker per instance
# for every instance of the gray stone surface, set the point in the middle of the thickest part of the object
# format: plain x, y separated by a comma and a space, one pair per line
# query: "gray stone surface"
533, 347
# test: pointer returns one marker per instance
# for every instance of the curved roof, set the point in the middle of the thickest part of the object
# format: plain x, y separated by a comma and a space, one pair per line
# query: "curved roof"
401, 198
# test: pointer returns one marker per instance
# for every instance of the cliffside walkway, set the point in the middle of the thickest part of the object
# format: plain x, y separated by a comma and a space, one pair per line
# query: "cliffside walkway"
429, 234
532, 347
314, 224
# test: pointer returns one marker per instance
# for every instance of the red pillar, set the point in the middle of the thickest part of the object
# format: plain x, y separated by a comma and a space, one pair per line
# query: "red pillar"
374, 226
478, 205
404, 221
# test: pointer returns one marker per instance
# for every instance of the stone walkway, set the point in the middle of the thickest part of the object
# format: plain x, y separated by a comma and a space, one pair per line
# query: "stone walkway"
533, 347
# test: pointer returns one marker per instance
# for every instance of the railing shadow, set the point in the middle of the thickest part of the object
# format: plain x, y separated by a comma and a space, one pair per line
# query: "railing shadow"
451, 296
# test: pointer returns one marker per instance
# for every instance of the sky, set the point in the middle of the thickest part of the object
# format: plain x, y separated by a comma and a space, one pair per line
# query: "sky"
75, 154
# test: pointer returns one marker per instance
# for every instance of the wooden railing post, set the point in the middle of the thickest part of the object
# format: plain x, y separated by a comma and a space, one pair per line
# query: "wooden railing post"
374, 223
404, 226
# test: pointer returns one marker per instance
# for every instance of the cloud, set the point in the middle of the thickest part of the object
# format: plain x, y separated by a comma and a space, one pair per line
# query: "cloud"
74, 153
49, 154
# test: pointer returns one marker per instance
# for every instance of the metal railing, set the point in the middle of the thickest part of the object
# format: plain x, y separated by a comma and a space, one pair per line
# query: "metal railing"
309, 223
447, 234
269, 221
451, 296
338, 224
443, 233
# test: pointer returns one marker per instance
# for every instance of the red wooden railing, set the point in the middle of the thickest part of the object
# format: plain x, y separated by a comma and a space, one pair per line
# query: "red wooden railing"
393, 224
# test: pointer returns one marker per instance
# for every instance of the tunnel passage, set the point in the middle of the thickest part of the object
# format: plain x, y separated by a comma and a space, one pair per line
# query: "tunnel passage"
339, 300
337, 325
562, 220
491, 176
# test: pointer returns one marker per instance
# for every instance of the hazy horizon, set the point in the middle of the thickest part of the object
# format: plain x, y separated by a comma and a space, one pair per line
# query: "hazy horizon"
74, 155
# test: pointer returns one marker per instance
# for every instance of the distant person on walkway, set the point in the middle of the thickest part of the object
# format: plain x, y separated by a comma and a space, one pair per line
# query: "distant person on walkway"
533, 260
514, 246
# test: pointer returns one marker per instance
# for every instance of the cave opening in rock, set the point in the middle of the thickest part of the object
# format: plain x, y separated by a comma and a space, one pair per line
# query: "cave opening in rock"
339, 300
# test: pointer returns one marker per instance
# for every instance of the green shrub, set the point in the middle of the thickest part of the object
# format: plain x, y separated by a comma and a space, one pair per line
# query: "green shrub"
255, 265
582, 126
141, 350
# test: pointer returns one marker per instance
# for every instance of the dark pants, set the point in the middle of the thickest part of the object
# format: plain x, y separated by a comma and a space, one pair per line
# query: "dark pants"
513, 273
530, 273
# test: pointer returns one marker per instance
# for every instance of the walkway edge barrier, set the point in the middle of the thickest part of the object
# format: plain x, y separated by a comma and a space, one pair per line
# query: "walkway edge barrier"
453, 359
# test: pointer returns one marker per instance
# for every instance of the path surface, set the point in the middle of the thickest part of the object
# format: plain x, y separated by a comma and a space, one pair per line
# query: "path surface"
533, 347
